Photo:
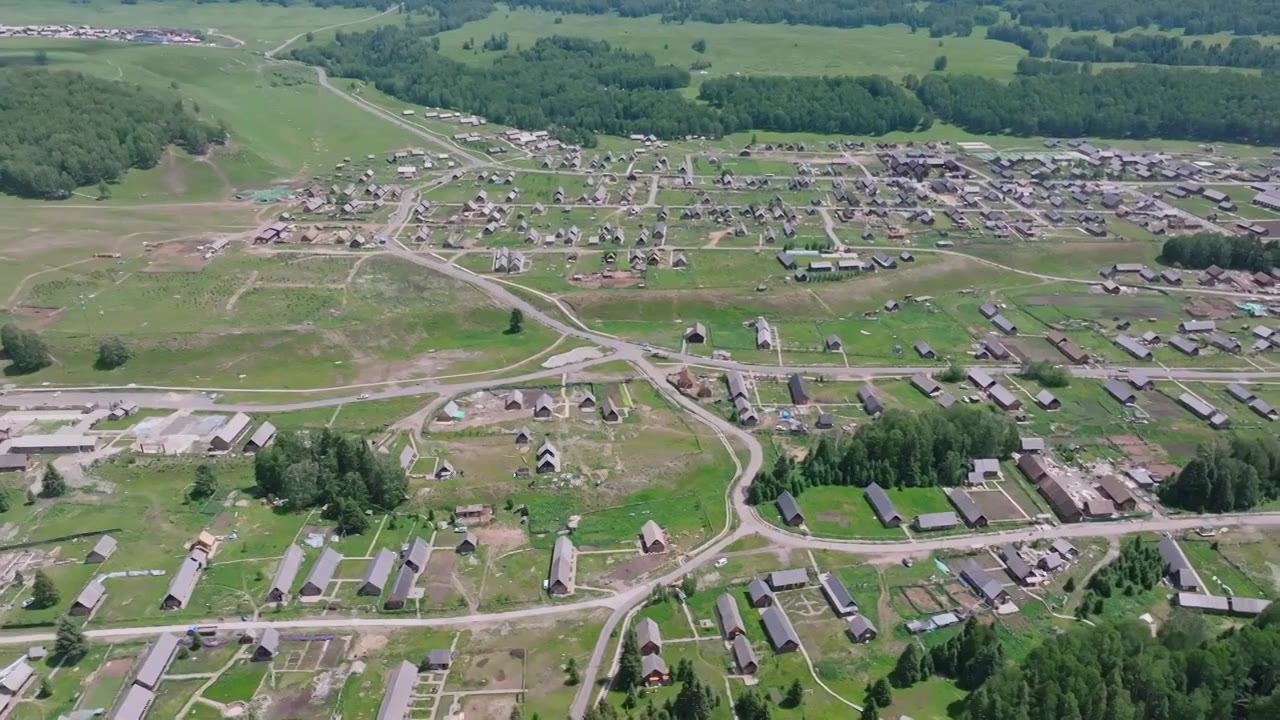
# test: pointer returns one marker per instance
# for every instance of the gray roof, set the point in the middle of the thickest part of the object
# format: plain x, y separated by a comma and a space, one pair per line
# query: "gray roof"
1172, 554
1249, 606
981, 378
727, 610
1018, 567
231, 429
184, 581
562, 561
650, 664
1004, 324
1198, 326
1133, 347
1031, 444
651, 532
378, 570
799, 393
262, 435
270, 641
737, 388
398, 695
133, 704
322, 570
1118, 390
925, 384
440, 656
937, 520
1183, 345
1239, 392
13, 681
647, 632
788, 506
837, 593
1196, 601
785, 578
1002, 397
1063, 547
988, 587
743, 654
881, 503
405, 578
986, 466
156, 660
1198, 407
287, 570
859, 625
417, 553
757, 589
965, 505
105, 546
91, 595
778, 627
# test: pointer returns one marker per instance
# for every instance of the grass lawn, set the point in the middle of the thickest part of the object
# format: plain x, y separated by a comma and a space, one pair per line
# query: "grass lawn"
239, 683
1211, 563
841, 512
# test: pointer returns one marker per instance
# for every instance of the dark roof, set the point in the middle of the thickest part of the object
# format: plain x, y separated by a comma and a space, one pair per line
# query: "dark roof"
965, 505
882, 505
837, 593
743, 654
859, 625
799, 395
1172, 554
730, 616
133, 704
1118, 390
379, 569
322, 570
988, 587
287, 570
1018, 568
778, 627
417, 553
937, 520
789, 508
156, 660
398, 695
787, 578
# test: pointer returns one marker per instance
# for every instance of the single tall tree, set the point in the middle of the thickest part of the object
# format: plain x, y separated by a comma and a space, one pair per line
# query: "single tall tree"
69, 641
206, 484
880, 693
25, 349
516, 323
795, 694
44, 592
52, 484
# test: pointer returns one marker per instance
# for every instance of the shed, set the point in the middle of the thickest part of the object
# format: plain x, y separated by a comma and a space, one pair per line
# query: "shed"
101, 550
286, 572
883, 506
744, 657
652, 539
860, 629
731, 625
267, 645
790, 509
376, 573
397, 697
758, 594
88, 598
648, 637
778, 627
321, 573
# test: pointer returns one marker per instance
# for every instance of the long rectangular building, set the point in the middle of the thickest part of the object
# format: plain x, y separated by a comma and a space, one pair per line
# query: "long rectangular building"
397, 698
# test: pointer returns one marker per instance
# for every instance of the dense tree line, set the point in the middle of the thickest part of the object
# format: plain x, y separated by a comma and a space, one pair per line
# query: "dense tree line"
901, 449
1195, 17
969, 658
1227, 475
1138, 568
63, 130
1034, 40
1140, 102
1033, 66
332, 470
1120, 672
1243, 52
575, 87
871, 105
1231, 252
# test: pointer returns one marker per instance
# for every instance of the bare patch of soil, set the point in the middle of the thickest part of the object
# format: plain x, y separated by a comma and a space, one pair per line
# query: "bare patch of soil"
996, 506
833, 517
37, 317
634, 568
177, 256
366, 643
488, 706
921, 600
1205, 308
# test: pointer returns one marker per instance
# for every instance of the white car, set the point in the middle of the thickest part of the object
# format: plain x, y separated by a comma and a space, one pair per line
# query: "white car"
722, 562
363, 396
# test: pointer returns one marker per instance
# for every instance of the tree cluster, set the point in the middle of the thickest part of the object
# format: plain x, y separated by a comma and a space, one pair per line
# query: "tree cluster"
1046, 373
1227, 475
52, 143
332, 470
969, 658
901, 449
1230, 252
1243, 52
497, 43
26, 351
1120, 672
837, 105
1137, 568
1138, 102
1034, 40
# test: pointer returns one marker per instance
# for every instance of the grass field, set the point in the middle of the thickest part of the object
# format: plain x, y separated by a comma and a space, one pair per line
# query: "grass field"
747, 48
